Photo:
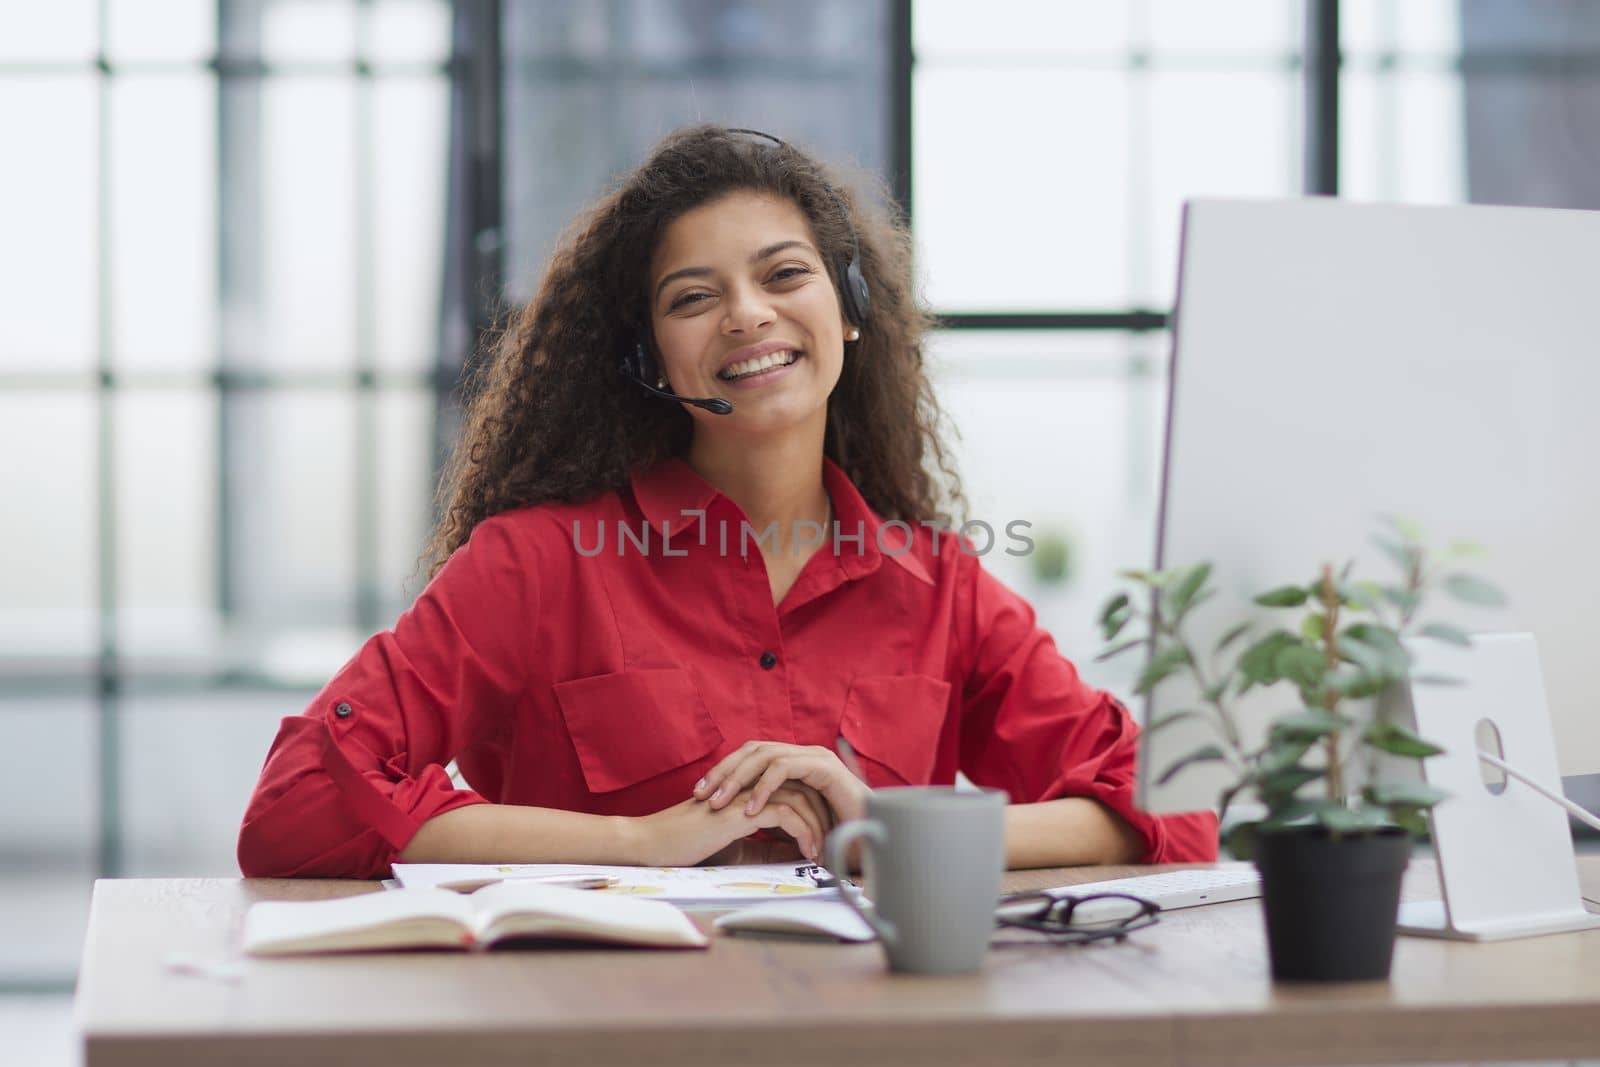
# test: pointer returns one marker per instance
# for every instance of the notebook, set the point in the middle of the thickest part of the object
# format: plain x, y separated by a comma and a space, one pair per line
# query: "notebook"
439, 918
817, 919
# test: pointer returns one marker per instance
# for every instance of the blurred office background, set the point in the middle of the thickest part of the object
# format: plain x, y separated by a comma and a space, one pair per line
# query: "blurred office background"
245, 246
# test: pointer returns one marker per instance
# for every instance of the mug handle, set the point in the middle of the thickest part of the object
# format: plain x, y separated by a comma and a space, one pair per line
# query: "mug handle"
874, 835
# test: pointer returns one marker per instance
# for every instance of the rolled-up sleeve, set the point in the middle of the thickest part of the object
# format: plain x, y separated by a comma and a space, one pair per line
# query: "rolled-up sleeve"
1033, 727
348, 782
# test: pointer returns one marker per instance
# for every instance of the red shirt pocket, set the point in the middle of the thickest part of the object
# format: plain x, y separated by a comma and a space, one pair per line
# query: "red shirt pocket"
633, 725
893, 721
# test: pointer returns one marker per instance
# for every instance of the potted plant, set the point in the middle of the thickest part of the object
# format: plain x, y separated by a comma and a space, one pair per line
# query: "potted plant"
1335, 839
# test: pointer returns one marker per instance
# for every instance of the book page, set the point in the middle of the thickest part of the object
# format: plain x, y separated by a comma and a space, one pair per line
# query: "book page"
271, 923
509, 909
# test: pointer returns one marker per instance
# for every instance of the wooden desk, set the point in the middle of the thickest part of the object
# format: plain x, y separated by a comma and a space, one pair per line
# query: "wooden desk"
1194, 989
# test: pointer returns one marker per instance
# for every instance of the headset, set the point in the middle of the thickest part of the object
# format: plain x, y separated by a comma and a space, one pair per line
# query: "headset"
854, 298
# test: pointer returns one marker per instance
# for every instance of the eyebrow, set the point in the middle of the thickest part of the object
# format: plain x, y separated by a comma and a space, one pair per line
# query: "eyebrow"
760, 254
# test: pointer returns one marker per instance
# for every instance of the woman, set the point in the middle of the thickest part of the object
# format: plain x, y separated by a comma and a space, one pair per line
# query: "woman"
649, 621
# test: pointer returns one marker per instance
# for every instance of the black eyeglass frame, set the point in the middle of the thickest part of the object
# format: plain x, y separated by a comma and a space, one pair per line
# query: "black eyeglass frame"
1054, 917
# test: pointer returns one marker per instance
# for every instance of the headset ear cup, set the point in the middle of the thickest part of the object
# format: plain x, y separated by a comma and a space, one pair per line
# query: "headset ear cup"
857, 299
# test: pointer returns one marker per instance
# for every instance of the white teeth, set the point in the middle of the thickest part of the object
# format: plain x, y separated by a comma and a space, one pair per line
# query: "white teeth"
759, 364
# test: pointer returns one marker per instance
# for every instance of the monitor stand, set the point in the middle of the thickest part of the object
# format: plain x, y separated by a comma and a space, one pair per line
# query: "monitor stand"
1506, 864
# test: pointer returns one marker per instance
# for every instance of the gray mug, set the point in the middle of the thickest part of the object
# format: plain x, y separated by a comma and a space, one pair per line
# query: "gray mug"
933, 858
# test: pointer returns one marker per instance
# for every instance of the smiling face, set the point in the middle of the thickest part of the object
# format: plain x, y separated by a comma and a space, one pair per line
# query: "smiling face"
742, 308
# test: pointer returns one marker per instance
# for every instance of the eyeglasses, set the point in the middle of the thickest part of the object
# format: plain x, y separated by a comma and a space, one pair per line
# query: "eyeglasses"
1078, 920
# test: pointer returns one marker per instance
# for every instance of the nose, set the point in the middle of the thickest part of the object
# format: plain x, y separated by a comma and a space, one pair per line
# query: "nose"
746, 309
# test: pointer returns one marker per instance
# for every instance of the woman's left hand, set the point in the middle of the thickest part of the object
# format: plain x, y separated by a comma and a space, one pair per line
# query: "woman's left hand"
763, 766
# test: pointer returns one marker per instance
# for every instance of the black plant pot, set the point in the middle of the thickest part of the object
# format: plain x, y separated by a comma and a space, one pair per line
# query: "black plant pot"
1331, 903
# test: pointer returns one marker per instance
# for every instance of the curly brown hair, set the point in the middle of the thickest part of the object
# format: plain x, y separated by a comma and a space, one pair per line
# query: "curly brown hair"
549, 417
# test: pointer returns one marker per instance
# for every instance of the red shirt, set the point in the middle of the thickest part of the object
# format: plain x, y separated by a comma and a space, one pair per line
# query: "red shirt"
610, 682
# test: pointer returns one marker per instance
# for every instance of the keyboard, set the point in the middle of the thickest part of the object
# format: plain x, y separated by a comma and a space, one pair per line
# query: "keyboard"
1171, 889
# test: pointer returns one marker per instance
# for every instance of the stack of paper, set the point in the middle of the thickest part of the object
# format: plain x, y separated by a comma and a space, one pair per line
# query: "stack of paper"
687, 887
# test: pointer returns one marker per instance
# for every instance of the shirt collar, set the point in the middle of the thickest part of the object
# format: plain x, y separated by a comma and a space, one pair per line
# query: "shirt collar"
669, 488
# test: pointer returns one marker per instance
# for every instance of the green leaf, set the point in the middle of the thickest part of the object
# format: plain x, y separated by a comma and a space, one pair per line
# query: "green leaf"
1293, 810
1472, 590
1283, 753
1206, 754
1116, 614
1306, 667
1187, 585
1214, 691
1402, 598
1412, 820
1355, 683
1409, 794
1443, 631
1341, 819
1117, 650
1281, 785
1240, 840
1205, 595
1310, 724
1465, 550
1396, 661
1362, 595
1113, 607
1161, 666
1404, 556
1314, 626
1258, 663
1397, 740
1233, 634
1288, 596
1370, 661
1163, 721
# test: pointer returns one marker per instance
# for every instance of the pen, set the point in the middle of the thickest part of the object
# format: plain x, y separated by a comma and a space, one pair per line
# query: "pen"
565, 881
573, 881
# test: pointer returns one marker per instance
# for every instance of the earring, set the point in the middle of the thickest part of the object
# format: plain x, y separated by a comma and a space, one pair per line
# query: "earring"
853, 334
661, 383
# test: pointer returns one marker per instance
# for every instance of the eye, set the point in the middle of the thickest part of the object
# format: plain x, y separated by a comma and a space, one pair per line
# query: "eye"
789, 272
685, 300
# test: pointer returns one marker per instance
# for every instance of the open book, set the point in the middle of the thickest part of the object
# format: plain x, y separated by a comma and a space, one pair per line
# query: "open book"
439, 918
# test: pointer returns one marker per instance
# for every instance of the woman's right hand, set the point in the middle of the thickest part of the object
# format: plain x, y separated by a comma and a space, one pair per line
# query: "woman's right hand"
691, 832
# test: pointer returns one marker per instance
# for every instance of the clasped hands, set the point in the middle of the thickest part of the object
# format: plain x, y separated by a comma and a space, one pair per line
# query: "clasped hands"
803, 791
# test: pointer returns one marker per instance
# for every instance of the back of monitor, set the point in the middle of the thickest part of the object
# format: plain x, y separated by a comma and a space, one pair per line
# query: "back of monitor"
1334, 362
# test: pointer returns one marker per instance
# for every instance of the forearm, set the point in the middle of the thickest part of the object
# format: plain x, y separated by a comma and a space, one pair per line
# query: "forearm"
1069, 832
512, 833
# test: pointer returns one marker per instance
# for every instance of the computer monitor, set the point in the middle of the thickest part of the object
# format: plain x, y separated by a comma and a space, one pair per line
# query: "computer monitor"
1333, 362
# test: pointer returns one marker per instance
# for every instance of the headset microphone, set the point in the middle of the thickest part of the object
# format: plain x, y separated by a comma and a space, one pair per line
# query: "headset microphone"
710, 403
637, 365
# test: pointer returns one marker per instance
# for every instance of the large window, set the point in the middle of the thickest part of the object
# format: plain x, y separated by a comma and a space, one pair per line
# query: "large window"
1054, 145
224, 227
590, 87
